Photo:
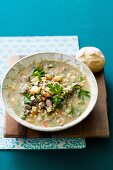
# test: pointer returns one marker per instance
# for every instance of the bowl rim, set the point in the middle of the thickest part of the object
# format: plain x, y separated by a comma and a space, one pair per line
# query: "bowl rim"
49, 129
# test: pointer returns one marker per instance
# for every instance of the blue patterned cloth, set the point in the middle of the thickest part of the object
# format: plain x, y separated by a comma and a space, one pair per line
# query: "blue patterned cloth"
10, 46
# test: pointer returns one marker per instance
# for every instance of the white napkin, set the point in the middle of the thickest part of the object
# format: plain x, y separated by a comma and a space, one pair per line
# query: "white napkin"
10, 46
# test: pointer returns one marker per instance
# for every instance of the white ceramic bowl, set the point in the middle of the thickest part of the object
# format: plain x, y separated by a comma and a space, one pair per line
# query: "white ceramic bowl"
25, 62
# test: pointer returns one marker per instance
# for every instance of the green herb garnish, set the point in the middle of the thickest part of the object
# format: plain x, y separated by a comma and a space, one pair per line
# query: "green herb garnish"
56, 100
82, 94
80, 78
70, 110
23, 116
76, 87
27, 98
42, 116
38, 71
73, 111
55, 65
55, 89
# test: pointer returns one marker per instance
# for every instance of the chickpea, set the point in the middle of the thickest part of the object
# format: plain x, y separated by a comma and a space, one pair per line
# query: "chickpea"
57, 78
48, 77
35, 90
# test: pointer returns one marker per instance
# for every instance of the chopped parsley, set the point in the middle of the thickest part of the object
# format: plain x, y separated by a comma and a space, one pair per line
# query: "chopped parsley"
82, 94
56, 89
38, 71
27, 98
73, 111
80, 78
56, 100
23, 116
76, 87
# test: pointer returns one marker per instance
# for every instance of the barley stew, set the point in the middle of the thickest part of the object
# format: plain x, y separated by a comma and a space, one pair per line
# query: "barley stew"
50, 94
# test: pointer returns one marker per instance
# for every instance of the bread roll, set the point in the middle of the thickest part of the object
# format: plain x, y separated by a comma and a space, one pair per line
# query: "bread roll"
92, 57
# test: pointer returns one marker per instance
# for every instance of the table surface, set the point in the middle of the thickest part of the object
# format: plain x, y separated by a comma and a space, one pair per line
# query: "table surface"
92, 21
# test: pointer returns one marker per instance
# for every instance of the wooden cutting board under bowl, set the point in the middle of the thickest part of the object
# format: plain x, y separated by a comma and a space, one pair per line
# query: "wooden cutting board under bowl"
95, 125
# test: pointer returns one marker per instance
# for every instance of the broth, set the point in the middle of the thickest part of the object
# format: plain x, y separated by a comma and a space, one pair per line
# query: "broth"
50, 93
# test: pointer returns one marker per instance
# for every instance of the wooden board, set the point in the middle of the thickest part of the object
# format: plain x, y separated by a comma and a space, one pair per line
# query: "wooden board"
95, 125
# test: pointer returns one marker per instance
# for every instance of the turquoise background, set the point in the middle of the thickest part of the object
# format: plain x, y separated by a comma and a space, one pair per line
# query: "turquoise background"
92, 21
